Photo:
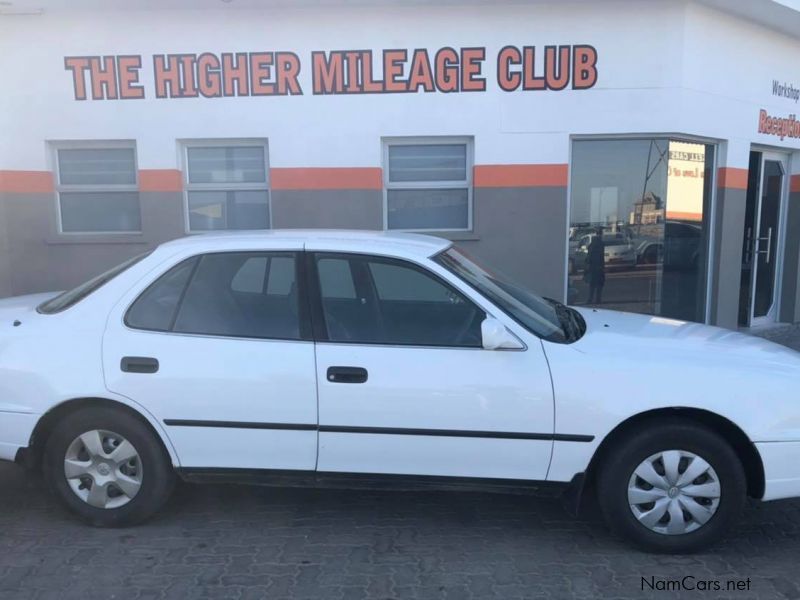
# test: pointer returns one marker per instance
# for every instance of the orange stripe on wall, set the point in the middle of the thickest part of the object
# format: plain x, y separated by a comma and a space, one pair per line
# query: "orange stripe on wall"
499, 176
684, 216
794, 186
160, 180
732, 178
31, 182
320, 178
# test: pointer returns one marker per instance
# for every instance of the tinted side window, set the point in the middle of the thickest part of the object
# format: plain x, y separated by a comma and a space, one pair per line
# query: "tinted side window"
336, 278
237, 294
395, 303
280, 277
250, 276
402, 284
348, 317
67, 299
213, 305
155, 308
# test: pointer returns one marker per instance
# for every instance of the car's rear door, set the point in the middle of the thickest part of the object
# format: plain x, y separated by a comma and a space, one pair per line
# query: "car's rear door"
219, 349
405, 386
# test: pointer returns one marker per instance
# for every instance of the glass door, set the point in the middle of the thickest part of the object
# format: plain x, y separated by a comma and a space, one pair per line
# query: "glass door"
762, 236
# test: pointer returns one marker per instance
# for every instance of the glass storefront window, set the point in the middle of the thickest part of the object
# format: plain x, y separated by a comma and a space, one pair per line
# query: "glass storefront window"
639, 225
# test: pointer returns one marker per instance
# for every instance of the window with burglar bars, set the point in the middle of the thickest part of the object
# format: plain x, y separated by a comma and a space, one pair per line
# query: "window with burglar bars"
227, 185
428, 184
97, 187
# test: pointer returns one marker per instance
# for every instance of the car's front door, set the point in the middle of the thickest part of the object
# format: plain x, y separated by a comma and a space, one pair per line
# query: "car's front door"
219, 350
405, 386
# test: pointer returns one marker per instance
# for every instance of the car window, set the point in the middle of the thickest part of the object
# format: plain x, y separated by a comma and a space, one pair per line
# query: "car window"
335, 278
250, 276
155, 308
224, 294
393, 282
70, 298
393, 302
280, 277
538, 315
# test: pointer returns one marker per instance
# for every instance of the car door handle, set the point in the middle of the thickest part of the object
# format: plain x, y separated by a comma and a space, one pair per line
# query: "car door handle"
347, 375
139, 364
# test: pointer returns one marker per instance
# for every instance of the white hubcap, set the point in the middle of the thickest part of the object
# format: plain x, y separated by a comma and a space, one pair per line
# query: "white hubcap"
103, 469
674, 492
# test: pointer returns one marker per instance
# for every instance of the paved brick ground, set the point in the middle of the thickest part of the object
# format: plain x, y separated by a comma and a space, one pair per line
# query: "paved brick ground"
250, 542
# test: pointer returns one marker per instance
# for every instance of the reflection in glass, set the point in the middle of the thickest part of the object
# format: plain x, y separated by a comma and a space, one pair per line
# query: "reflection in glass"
97, 166
745, 289
100, 211
215, 210
764, 252
639, 226
427, 162
428, 209
227, 164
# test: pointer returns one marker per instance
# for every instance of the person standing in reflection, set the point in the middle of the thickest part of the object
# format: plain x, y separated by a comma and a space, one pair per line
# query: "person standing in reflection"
596, 268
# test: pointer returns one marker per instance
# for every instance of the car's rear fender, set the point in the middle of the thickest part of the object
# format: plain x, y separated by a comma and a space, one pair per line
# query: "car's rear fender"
43, 426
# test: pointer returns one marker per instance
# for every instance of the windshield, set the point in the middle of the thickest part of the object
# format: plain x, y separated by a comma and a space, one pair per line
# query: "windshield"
66, 299
538, 315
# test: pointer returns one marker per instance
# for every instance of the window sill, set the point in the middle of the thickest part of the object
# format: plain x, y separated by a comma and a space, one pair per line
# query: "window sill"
454, 236
96, 238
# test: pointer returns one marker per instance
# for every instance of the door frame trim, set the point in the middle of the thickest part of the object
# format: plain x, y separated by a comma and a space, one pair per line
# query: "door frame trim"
463, 433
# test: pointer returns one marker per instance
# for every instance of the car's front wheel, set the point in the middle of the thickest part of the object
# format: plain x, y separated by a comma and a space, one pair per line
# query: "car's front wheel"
675, 487
107, 467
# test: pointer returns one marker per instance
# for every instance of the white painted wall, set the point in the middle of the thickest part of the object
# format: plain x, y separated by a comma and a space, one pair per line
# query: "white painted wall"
664, 67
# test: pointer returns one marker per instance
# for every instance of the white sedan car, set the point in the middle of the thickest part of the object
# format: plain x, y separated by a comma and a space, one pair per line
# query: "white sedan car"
351, 359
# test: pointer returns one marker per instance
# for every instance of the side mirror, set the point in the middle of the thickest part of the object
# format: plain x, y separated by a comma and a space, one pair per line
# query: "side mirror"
495, 336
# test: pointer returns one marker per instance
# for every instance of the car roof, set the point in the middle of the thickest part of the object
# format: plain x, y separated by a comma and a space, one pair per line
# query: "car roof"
323, 240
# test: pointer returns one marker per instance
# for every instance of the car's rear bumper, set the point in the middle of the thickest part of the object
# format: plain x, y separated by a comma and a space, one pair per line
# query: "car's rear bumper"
15, 432
781, 469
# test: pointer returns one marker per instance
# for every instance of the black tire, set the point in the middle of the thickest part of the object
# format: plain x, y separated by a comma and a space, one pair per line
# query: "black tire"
157, 474
624, 458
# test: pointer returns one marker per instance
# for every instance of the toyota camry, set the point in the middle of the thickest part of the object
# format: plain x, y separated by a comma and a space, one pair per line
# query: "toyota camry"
363, 359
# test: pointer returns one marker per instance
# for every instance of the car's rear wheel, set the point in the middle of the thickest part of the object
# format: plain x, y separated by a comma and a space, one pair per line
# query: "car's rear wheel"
107, 467
675, 487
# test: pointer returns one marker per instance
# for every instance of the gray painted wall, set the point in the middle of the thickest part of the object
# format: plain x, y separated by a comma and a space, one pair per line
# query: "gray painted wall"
39, 259
520, 230
5, 265
328, 209
523, 232
727, 257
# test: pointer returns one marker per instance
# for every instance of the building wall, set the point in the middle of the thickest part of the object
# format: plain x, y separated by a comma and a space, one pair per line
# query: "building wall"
727, 252
694, 77
40, 260
5, 264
